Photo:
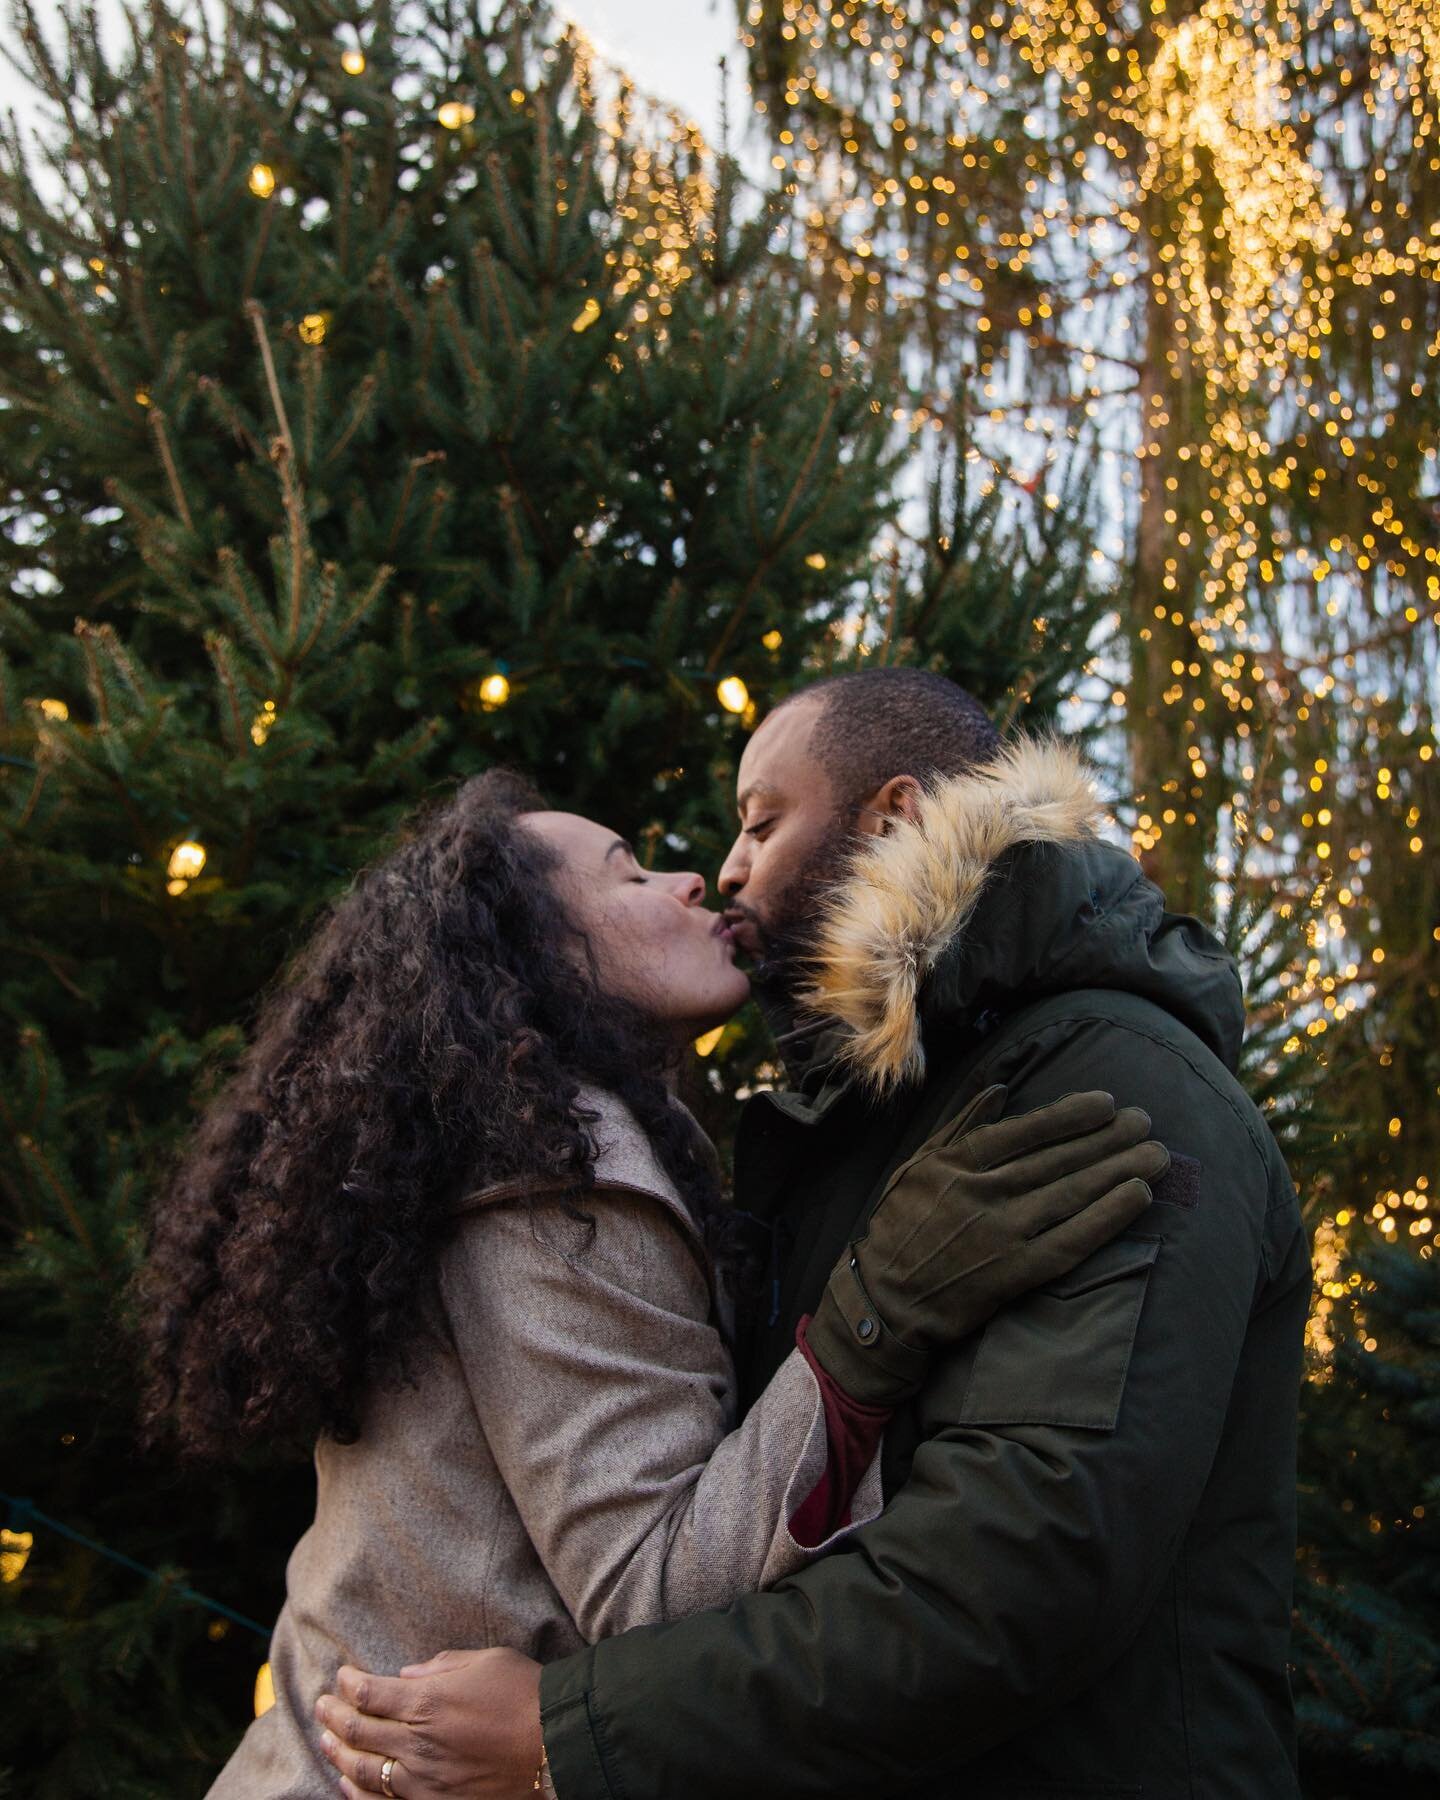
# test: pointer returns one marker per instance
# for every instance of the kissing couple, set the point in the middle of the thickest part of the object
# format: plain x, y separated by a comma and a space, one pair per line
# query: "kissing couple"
957, 1455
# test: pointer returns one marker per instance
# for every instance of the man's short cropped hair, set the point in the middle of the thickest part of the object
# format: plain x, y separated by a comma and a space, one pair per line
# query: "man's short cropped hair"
875, 724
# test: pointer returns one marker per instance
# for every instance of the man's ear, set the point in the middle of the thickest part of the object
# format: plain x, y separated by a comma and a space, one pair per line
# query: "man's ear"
900, 797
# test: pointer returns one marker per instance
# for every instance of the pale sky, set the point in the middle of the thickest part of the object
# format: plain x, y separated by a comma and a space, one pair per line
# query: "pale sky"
672, 49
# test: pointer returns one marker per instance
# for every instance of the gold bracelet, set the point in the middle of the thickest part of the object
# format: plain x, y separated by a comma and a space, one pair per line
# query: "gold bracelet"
538, 1785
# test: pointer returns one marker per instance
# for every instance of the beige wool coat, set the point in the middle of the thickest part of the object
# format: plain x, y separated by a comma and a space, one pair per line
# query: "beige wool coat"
568, 1465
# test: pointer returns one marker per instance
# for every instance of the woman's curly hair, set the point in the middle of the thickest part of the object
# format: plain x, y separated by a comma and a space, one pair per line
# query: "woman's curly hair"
432, 1036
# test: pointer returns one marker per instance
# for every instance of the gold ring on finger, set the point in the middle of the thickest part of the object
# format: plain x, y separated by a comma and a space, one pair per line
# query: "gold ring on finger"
387, 1769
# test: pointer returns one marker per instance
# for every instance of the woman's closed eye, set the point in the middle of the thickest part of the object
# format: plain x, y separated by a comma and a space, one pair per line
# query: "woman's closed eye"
760, 825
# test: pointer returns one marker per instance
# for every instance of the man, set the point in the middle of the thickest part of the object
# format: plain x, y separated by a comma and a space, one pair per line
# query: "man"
1081, 1582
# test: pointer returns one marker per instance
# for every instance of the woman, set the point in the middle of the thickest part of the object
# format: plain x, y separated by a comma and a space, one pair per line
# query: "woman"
449, 1223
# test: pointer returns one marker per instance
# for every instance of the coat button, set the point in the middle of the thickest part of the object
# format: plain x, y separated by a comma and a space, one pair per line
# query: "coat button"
865, 1329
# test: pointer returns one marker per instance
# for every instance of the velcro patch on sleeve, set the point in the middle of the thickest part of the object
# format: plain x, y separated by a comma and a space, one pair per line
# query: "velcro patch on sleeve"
1180, 1184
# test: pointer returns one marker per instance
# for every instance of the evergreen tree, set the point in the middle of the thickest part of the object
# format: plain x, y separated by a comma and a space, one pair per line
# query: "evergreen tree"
1367, 1640
386, 394
1201, 233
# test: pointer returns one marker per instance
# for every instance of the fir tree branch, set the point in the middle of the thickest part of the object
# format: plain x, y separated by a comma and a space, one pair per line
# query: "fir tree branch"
34, 1152
225, 407
52, 962
402, 506
98, 358
172, 474
234, 583
218, 649
255, 312
364, 399
252, 267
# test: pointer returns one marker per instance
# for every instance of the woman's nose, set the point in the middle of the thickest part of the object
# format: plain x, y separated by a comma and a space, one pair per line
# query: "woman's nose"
690, 887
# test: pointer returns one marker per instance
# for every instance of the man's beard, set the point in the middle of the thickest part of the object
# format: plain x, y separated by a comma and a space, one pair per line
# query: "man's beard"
784, 967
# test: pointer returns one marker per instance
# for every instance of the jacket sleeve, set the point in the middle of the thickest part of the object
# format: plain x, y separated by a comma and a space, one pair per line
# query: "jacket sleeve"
607, 1398
1031, 1538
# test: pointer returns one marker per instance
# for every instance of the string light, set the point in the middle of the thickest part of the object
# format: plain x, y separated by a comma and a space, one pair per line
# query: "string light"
455, 113
313, 327
262, 180
187, 859
263, 723
733, 694
707, 1041
587, 315
15, 1548
55, 709
264, 1690
773, 639
493, 691
353, 62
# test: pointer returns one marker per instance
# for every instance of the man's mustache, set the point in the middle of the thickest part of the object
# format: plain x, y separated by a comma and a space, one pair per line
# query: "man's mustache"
737, 912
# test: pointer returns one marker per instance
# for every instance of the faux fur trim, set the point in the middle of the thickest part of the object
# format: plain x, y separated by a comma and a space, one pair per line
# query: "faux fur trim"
911, 891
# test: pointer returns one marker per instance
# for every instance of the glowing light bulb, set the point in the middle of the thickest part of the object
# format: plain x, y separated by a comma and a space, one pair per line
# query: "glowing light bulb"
494, 691
186, 861
15, 1548
815, 560
353, 62
262, 181
705, 1044
733, 694
455, 113
263, 722
264, 1690
772, 640
587, 315
54, 709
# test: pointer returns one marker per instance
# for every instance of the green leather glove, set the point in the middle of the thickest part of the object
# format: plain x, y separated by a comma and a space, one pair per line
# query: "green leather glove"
980, 1215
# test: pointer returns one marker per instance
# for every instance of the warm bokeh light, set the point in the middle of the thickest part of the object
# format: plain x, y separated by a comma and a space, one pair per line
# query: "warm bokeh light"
187, 859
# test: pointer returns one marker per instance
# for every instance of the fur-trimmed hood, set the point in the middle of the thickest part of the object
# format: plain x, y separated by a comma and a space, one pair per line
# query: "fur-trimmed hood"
937, 916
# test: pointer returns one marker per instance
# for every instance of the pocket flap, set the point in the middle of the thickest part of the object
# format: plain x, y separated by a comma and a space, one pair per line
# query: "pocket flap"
1124, 1256
1060, 1355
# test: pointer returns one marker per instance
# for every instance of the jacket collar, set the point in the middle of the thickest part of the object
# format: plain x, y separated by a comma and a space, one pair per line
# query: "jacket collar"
624, 1158
910, 894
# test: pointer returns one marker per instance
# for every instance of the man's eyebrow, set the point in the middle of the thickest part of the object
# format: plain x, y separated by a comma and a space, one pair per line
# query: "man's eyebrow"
621, 844
757, 790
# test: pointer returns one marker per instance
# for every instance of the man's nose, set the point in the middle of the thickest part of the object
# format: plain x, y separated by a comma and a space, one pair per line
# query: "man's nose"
735, 871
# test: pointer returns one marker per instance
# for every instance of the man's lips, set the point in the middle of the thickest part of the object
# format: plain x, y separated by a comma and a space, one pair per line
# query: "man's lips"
743, 931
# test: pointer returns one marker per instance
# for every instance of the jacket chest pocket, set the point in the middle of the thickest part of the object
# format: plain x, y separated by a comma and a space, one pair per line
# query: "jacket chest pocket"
1060, 1356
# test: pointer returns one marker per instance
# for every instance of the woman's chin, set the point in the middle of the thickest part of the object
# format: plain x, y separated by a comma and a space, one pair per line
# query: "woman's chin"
728, 1000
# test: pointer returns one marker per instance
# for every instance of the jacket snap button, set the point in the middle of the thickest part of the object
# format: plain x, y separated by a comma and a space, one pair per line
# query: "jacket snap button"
865, 1329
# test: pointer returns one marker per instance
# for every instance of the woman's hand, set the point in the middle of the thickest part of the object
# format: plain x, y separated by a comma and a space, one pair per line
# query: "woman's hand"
986, 1210
466, 1723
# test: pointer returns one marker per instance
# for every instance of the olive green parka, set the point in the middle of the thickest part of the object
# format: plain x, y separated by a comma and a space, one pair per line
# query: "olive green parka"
1081, 1583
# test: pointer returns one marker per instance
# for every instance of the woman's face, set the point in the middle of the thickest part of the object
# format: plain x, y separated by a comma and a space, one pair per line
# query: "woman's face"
652, 938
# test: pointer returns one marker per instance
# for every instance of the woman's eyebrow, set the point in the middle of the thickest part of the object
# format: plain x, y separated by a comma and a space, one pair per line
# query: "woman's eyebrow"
621, 844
